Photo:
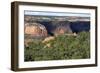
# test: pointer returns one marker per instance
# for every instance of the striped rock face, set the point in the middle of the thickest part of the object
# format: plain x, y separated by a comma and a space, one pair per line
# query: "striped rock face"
35, 30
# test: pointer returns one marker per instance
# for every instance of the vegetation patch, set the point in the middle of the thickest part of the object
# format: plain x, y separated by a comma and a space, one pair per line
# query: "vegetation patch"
59, 48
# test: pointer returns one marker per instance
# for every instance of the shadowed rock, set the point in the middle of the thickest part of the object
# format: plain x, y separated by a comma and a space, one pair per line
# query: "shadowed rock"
62, 27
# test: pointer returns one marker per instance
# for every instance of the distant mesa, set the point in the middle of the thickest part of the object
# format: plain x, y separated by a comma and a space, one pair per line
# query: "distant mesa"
30, 18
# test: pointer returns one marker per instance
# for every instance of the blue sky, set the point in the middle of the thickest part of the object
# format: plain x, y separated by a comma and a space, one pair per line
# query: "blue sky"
45, 13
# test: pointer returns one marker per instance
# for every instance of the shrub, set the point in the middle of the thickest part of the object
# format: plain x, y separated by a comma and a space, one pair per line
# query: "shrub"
62, 47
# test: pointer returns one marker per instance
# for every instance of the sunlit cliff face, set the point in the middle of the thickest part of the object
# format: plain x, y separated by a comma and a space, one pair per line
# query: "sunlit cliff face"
35, 29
